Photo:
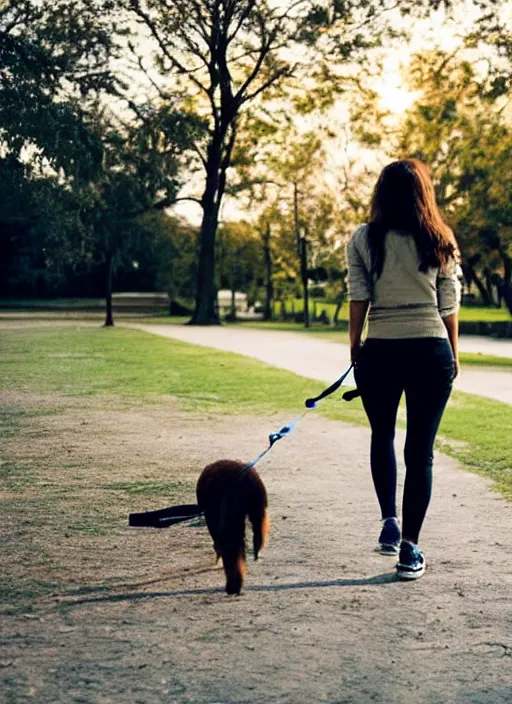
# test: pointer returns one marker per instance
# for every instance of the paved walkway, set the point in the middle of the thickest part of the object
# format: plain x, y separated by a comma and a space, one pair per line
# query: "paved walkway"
486, 345
321, 359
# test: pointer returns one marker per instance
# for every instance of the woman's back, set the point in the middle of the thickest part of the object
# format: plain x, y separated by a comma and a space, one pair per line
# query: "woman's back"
405, 302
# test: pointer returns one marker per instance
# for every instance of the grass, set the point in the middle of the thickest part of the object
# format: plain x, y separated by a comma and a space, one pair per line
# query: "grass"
153, 488
17, 598
130, 365
467, 313
483, 314
484, 360
105, 362
476, 431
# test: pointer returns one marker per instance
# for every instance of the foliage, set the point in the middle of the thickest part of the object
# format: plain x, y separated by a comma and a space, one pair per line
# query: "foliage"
462, 132
220, 57
34, 213
226, 82
240, 259
167, 249
79, 174
54, 59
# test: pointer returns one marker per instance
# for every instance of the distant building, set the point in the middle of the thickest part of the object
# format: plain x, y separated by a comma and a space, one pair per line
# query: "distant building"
224, 299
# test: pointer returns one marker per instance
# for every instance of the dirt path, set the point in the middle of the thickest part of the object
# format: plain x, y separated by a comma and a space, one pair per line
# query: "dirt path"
140, 616
316, 358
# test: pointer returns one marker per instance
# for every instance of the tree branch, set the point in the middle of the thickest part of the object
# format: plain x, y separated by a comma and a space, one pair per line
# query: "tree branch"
199, 154
136, 9
190, 198
263, 51
243, 16
161, 93
204, 29
371, 18
286, 71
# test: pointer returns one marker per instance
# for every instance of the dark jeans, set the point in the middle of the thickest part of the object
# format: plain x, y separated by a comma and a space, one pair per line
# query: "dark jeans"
424, 369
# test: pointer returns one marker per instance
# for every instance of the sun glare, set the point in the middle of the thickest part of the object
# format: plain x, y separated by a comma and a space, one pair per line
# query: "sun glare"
395, 98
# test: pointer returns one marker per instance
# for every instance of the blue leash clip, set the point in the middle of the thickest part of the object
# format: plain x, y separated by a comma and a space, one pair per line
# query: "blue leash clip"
285, 430
311, 403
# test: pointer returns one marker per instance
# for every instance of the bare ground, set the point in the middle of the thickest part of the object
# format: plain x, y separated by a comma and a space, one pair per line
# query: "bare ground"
99, 612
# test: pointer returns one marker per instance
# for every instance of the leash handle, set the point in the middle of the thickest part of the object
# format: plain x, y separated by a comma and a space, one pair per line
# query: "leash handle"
311, 402
350, 395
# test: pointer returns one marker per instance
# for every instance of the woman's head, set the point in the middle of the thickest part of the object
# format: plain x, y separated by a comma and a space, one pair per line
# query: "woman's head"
404, 199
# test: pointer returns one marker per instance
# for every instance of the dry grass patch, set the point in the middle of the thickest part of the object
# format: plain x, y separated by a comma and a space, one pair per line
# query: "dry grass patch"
72, 472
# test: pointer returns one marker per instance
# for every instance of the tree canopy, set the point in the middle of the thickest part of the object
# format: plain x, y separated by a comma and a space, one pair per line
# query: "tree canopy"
112, 111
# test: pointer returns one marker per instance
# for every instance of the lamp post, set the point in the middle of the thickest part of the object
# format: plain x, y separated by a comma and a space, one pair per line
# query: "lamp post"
269, 284
303, 253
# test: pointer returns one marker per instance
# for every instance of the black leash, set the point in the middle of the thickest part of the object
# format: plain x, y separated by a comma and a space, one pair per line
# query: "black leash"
175, 514
311, 404
164, 517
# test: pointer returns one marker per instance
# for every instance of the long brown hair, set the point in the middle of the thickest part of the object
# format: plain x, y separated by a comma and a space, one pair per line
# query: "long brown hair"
404, 199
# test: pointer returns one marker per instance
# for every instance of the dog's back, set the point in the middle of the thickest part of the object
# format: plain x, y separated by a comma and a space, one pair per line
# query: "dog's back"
228, 493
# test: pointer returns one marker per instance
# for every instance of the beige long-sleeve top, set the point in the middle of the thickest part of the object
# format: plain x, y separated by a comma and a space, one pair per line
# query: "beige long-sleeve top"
405, 302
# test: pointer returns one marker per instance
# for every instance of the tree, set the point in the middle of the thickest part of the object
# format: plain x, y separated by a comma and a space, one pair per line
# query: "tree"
167, 249
239, 260
140, 172
32, 211
458, 126
106, 170
221, 56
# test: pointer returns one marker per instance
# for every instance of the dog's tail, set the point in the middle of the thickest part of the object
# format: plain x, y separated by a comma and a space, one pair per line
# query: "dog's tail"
247, 500
232, 544
257, 511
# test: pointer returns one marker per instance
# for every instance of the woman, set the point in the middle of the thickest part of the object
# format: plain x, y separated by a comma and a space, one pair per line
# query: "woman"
402, 272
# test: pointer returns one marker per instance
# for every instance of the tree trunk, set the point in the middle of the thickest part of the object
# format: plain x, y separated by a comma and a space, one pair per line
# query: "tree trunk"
304, 277
282, 314
480, 286
337, 312
296, 224
109, 261
233, 293
507, 280
206, 310
269, 286
489, 287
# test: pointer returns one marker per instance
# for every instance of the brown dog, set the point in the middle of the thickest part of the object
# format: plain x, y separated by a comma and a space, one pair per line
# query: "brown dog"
227, 492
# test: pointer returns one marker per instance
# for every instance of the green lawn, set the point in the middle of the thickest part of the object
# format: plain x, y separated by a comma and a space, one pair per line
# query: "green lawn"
131, 365
481, 314
467, 313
